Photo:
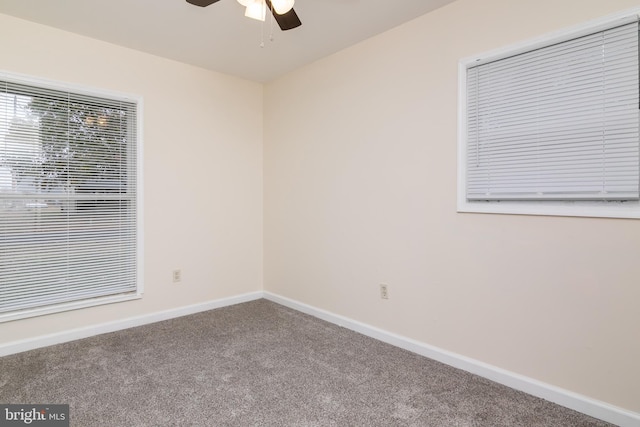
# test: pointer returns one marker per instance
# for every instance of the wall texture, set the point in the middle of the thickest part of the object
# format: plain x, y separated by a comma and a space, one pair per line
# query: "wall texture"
202, 170
360, 189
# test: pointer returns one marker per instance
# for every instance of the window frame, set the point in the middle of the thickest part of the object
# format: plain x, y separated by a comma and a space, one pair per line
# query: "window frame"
80, 89
600, 209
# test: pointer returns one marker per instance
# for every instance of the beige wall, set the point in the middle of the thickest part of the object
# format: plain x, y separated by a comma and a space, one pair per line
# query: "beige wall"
360, 189
202, 169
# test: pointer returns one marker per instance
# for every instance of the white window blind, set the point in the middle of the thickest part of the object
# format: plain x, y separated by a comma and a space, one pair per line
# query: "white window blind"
68, 186
559, 122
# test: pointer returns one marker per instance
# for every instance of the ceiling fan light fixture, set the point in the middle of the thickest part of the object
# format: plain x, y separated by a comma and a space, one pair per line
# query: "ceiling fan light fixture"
256, 9
282, 6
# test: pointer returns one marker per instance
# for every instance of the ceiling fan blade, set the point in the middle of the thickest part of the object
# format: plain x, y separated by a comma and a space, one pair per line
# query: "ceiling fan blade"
287, 21
202, 3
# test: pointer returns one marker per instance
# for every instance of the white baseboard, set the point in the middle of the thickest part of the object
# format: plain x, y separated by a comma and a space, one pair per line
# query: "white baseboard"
89, 331
566, 398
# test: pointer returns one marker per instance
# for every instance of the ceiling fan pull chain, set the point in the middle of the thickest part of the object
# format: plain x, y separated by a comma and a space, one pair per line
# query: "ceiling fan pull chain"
262, 27
271, 24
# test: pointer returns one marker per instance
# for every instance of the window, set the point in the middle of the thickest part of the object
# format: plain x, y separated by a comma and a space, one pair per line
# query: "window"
554, 128
69, 191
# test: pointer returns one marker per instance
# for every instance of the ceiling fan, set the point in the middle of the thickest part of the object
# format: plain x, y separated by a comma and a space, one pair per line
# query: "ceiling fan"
282, 10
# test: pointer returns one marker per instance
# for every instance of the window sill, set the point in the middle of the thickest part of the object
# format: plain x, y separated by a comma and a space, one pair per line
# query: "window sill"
629, 210
57, 308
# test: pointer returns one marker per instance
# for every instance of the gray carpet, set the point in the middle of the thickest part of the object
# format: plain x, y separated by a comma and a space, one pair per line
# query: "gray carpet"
261, 364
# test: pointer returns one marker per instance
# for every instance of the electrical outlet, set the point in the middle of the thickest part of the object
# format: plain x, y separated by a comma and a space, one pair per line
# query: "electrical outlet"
384, 291
177, 276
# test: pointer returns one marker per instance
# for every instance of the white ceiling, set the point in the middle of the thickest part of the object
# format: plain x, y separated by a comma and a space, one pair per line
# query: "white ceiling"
219, 37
